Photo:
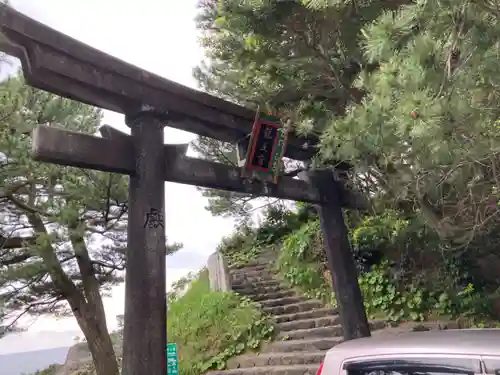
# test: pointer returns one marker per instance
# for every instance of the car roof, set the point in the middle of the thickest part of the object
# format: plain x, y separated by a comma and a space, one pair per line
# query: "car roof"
460, 341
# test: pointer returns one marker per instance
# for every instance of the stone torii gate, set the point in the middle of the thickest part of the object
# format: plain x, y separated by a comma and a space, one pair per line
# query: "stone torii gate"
59, 64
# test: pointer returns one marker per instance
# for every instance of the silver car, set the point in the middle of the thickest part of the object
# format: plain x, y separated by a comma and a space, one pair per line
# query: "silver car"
447, 352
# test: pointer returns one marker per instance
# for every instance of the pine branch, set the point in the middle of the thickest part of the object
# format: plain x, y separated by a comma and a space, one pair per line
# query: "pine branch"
112, 267
60, 278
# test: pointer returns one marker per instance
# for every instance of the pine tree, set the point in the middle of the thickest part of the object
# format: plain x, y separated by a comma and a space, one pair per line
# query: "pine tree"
404, 90
428, 128
299, 58
286, 55
63, 228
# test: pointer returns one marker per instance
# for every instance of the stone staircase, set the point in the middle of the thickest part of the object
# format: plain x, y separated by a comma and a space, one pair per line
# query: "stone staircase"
305, 328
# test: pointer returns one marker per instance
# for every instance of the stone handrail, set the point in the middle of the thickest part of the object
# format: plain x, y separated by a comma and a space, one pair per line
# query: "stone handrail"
218, 273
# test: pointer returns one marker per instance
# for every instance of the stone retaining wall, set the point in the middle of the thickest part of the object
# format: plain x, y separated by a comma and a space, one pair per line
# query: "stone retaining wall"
218, 273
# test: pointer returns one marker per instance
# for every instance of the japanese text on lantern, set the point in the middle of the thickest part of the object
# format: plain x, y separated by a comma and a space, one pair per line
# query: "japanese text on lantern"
266, 148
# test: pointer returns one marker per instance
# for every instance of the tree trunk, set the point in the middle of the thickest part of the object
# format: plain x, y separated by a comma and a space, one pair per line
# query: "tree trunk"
90, 312
87, 306
98, 339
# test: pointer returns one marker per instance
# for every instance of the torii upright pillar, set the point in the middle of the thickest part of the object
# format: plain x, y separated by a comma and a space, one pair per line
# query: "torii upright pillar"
338, 251
145, 284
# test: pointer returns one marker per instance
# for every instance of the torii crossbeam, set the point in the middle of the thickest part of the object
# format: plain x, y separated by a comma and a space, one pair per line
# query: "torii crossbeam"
59, 64
63, 147
62, 65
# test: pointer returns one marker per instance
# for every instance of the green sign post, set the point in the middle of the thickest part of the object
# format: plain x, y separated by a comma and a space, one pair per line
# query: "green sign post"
172, 360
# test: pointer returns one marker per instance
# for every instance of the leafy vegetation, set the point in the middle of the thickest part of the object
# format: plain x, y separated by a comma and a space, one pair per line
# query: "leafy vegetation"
387, 299
403, 274
211, 327
247, 242
299, 261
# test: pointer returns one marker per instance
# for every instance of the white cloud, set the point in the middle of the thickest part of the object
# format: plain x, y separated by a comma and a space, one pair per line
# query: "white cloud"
159, 36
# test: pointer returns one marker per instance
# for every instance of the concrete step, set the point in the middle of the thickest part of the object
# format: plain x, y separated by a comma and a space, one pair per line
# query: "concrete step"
282, 301
276, 359
252, 290
271, 370
375, 325
253, 272
309, 333
325, 321
293, 308
317, 313
274, 295
328, 331
252, 266
269, 255
304, 345
241, 279
256, 284
263, 260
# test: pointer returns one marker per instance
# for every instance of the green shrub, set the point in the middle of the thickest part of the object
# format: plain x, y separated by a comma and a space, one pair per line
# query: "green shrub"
211, 327
417, 302
301, 262
375, 234
246, 242
383, 297
279, 222
386, 294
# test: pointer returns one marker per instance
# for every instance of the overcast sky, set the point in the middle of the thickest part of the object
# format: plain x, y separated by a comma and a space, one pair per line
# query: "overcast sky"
159, 36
